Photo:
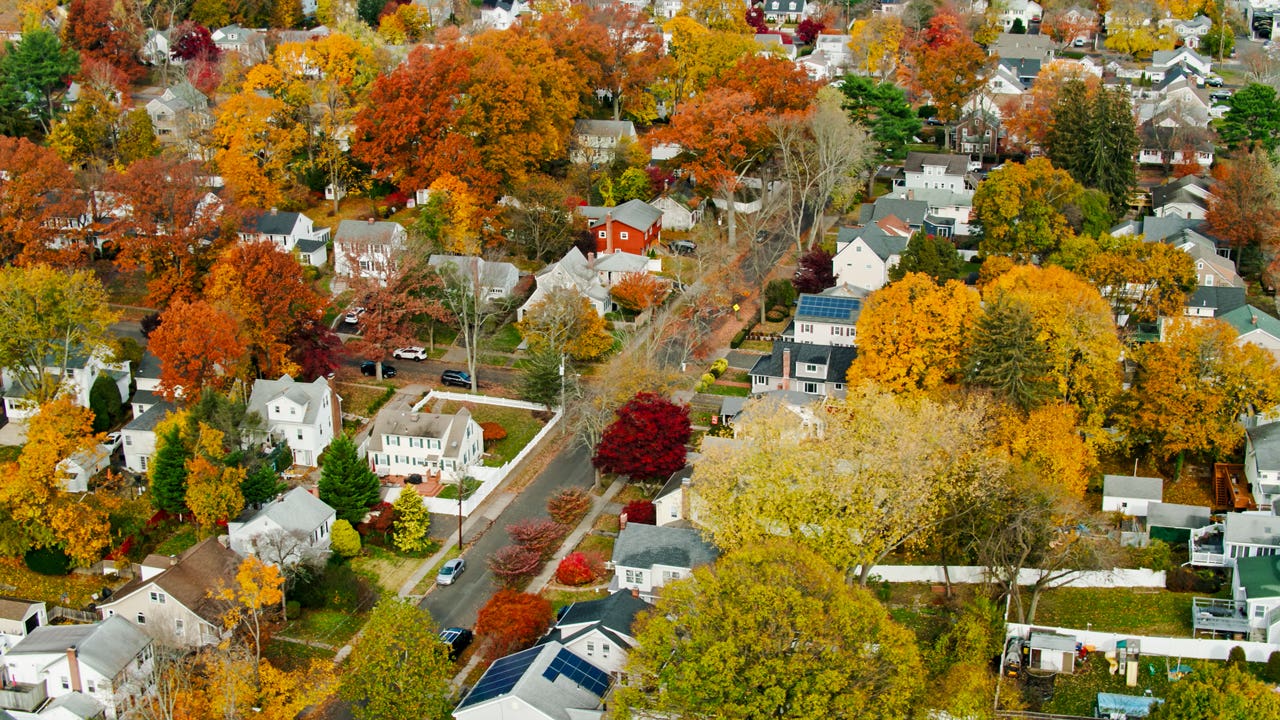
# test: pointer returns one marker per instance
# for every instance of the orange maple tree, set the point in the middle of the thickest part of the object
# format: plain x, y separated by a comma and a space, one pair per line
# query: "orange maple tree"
36, 188
198, 346
512, 621
639, 291
1242, 207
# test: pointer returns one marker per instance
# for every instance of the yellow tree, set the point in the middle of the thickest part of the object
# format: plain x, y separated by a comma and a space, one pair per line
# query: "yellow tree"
284, 694
258, 138
876, 43
725, 15
257, 590
1048, 441
1017, 211
566, 322
912, 334
698, 55
213, 491
1144, 281
58, 430
456, 216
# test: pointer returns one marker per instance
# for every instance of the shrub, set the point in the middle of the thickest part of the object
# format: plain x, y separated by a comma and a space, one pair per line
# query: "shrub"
738, 339
344, 541
779, 292
775, 315
48, 561
569, 505
513, 565
382, 518
1156, 556
541, 536
719, 366
1237, 657
707, 379
336, 586
640, 511
511, 621
1271, 672
579, 569
493, 432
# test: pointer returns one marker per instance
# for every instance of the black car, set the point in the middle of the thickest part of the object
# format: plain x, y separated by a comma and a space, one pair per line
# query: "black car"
370, 368
457, 639
456, 378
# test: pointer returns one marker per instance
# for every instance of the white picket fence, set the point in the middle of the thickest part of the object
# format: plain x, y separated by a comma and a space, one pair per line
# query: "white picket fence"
1199, 648
974, 574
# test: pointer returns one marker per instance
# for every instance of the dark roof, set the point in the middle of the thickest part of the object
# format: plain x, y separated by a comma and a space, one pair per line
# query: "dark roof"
310, 245
837, 360
1023, 68
274, 222
675, 482
149, 367
617, 612
1222, 299
955, 164
501, 677
774, 6
151, 418
1173, 515
911, 212
197, 575
642, 546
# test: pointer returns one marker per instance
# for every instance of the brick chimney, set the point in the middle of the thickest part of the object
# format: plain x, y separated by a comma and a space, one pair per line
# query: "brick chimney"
786, 369
608, 232
73, 665
273, 211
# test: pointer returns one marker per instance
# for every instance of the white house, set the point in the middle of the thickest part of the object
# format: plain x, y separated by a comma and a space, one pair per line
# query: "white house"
948, 210
233, 38
79, 467
408, 441
139, 437
646, 557
1213, 301
292, 529
671, 504
865, 255
1256, 328
79, 374
305, 415
572, 271
1130, 495
174, 598
1254, 609
600, 630
680, 210
109, 661
936, 171
1191, 31
497, 279
1187, 197
180, 109
18, 619
546, 682
1189, 59
502, 14
156, 49
292, 232
596, 141
366, 247
1026, 11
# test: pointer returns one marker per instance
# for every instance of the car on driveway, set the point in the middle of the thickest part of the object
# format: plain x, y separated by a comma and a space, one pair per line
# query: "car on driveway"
410, 353
683, 247
456, 378
353, 315
370, 368
112, 441
457, 638
450, 571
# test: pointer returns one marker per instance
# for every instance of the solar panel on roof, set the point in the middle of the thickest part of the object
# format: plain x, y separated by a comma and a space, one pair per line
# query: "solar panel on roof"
584, 674
501, 677
837, 308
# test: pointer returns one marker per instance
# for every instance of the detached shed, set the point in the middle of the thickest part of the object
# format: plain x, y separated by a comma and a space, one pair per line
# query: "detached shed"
1052, 652
1173, 523
1129, 494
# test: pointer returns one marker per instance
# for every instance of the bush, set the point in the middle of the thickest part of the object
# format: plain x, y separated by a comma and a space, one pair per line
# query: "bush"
1237, 657
579, 569
512, 621
513, 565
344, 541
493, 432
640, 511
569, 505
382, 518
707, 379
336, 586
1271, 672
1156, 556
719, 366
292, 609
48, 561
541, 536
1180, 579
738, 339
775, 315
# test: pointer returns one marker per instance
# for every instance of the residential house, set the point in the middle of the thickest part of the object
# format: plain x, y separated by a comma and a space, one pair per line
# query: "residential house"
1191, 31
1026, 69
1130, 495
596, 142
497, 280
18, 619
600, 630
290, 530
72, 706
109, 661
366, 247
946, 211
1002, 82
680, 208
546, 682
146, 382
80, 467
234, 38
646, 557
613, 267
666, 10
174, 598
502, 14
1187, 197
1166, 146
671, 504
865, 255
1239, 535
139, 437
896, 213
79, 372
936, 171
979, 132
1010, 46
816, 370
292, 232
305, 415
1015, 12
835, 46
776, 44
407, 441
1253, 612
1212, 268
1173, 523
572, 271
786, 11
1255, 327
1188, 58
828, 318
179, 111
1212, 301
1082, 19
634, 226
156, 49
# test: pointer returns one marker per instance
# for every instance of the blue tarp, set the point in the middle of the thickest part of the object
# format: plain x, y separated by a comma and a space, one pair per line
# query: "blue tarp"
1132, 706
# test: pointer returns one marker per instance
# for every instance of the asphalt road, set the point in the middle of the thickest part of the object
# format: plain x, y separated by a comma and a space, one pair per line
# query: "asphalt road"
458, 604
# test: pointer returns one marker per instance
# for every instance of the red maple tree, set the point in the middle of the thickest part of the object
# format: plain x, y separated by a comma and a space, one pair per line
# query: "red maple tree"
569, 505
646, 441
512, 621
198, 346
539, 535
513, 565
640, 512
579, 568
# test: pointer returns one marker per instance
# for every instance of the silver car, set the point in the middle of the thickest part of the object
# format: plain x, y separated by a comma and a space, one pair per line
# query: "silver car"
450, 571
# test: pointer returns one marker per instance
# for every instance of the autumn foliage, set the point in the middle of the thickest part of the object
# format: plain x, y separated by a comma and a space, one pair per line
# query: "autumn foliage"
569, 505
512, 621
647, 440
541, 536
640, 511
515, 564
493, 432
198, 346
579, 569
639, 291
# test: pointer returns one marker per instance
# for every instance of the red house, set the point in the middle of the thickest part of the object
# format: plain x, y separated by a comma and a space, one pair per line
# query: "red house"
634, 226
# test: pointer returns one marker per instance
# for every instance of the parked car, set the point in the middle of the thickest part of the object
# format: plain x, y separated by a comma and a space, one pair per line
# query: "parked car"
112, 443
456, 378
683, 247
353, 315
457, 638
410, 353
450, 571
1220, 95
370, 368
1213, 81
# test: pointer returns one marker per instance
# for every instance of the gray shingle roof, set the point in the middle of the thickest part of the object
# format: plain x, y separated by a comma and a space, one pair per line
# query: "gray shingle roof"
954, 164
617, 612
108, 647
492, 274
1222, 299
1173, 515
149, 367
1251, 528
636, 213
274, 222
297, 511
309, 245
643, 546
380, 231
604, 128
1265, 441
1129, 486
837, 360
310, 395
675, 482
152, 417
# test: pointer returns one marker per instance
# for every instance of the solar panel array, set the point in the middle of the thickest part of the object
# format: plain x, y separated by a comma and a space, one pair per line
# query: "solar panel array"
823, 306
586, 675
501, 677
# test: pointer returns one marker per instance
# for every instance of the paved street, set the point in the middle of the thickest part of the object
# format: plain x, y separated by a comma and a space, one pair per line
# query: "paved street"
457, 604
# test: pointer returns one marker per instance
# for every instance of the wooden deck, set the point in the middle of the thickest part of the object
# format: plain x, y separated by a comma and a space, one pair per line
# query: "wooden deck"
1230, 489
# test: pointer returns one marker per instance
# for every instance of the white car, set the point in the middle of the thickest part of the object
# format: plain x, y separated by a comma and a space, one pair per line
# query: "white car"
112, 441
410, 353
353, 315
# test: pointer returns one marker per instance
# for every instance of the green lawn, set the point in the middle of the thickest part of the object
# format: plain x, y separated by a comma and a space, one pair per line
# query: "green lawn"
450, 491
561, 598
520, 425
331, 627
1159, 613
728, 390
292, 656
1076, 694
597, 544
505, 340
179, 542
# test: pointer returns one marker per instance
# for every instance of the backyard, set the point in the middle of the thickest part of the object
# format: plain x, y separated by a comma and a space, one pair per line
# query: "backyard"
519, 424
1140, 612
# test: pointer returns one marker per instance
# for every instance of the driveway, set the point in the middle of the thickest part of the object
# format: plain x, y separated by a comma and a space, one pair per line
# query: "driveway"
458, 604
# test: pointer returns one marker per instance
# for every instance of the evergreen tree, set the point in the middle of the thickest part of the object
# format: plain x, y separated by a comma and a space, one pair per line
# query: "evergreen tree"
1254, 117
105, 402
169, 473
261, 485
1094, 138
883, 109
346, 482
934, 256
542, 382
37, 69
413, 522
1007, 357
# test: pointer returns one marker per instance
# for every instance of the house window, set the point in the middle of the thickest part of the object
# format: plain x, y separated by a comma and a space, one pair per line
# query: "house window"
91, 687
142, 619
669, 575
299, 433
811, 388
591, 649
811, 368
178, 626
604, 649
1260, 611
601, 234
157, 597
66, 684
634, 576
128, 440
675, 512
806, 328
623, 235
144, 462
